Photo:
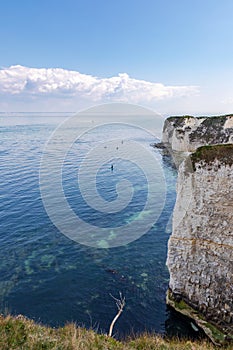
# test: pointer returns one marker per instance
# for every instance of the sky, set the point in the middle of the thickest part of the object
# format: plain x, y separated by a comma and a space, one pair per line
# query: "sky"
173, 56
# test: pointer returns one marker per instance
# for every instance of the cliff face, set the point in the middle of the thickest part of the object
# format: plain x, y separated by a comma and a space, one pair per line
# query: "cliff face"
200, 250
187, 133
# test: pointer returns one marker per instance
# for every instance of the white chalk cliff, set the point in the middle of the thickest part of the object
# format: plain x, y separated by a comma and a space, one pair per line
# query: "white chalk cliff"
200, 249
186, 134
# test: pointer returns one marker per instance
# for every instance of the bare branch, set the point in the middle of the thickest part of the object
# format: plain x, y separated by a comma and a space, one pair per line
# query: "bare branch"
120, 303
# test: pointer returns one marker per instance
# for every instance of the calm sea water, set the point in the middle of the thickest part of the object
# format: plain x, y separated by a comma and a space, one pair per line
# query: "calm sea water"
46, 276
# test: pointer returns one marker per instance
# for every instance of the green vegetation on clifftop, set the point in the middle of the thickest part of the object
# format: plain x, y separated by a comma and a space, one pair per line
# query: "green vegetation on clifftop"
208, 154
19, 333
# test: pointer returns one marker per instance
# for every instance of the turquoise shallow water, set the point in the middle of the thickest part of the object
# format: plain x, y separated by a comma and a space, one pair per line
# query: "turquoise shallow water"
46, 276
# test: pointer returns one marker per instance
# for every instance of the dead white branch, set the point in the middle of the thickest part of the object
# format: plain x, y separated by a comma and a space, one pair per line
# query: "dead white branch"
120, 303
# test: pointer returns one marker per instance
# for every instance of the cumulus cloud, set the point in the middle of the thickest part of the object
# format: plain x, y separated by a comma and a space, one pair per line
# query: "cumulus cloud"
19, 80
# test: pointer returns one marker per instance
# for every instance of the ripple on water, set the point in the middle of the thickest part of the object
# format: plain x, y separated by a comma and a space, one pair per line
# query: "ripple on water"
46, 276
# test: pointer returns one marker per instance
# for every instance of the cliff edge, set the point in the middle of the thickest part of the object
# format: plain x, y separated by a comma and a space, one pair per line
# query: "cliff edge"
187, 133
200, 249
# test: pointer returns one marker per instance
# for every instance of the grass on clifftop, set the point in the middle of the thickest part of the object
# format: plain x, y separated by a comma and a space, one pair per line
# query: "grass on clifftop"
209, 154
23, 334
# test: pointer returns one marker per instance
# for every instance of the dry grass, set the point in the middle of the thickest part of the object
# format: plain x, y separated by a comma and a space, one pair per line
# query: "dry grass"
23, 334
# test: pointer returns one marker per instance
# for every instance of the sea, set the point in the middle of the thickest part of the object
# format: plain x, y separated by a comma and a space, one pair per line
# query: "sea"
53, 278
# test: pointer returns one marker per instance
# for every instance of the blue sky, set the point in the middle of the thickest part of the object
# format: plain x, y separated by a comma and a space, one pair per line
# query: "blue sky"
176, 44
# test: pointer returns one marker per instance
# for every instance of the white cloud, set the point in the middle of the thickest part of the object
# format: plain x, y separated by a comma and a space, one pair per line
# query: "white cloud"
57, 82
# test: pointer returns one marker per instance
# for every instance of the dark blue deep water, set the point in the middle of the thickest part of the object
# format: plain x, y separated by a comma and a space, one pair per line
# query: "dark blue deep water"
52, 279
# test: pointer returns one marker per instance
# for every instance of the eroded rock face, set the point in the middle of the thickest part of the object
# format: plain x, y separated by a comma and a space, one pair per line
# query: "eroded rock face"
200, 249
187, 133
